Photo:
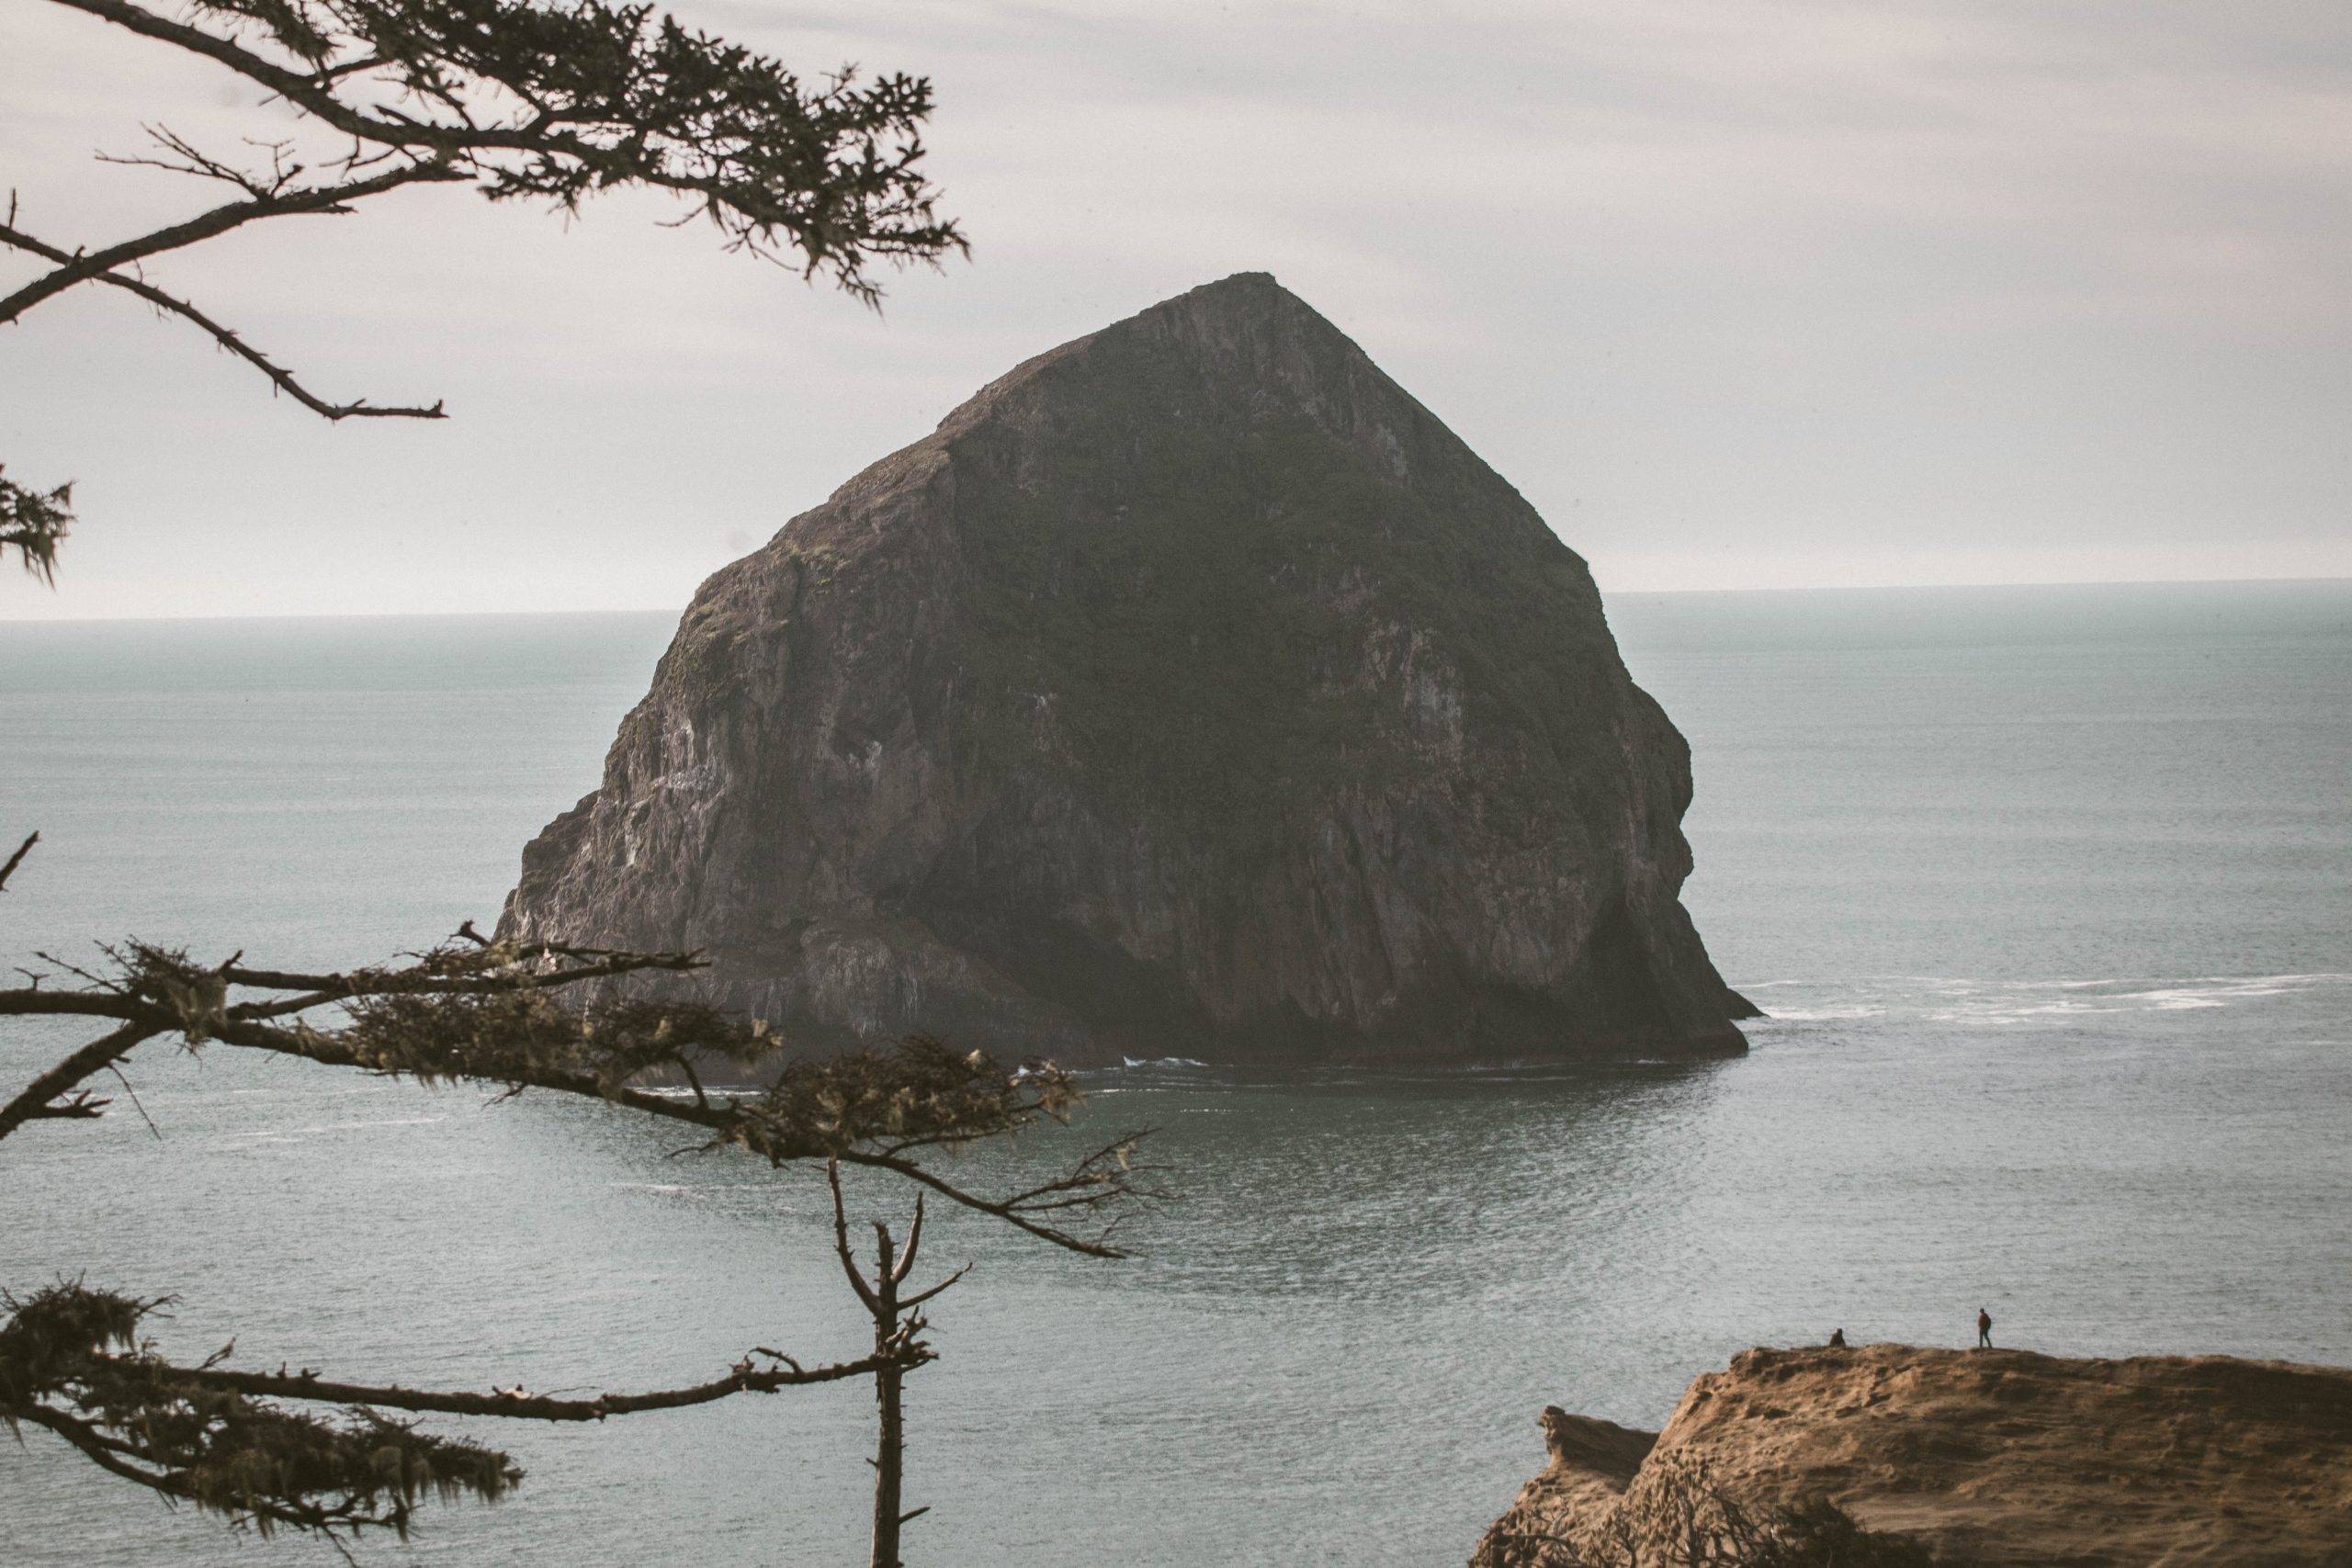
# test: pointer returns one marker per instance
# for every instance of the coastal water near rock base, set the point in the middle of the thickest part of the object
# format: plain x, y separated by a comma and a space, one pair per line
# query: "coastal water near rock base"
1943, 836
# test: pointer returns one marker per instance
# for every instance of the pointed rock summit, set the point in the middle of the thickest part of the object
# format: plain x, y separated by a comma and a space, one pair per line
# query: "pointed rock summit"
1191, 691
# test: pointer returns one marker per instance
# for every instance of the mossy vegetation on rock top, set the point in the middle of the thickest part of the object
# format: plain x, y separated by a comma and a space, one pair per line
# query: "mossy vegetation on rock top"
1192, 689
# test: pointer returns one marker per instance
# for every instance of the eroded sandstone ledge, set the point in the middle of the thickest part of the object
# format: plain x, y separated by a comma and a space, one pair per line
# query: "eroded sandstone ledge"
1992, 1457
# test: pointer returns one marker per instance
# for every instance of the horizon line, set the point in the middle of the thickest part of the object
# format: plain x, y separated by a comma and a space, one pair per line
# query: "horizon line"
1606, 593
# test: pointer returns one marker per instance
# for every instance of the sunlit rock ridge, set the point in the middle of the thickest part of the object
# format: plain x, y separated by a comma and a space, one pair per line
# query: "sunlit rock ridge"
1191, 691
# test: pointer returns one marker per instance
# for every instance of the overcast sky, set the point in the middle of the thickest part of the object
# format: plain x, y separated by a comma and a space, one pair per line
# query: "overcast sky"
1737, 294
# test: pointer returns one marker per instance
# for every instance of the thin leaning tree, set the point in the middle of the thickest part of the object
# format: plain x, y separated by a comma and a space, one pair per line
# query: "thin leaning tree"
75, 1361
522, 101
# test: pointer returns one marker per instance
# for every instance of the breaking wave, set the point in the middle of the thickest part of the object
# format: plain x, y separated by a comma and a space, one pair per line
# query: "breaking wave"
1944, 1001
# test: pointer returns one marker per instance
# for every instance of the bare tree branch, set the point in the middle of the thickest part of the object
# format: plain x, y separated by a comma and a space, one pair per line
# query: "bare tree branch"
840, 1239
81, 1104
514, 1402
226, 337
23, 849
38, 1099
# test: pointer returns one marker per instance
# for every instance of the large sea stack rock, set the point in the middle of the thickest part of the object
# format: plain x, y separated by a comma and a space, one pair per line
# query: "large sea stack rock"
1191, 691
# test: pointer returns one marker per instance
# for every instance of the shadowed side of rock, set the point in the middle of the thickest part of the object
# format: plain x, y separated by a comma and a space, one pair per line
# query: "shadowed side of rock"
1191, 691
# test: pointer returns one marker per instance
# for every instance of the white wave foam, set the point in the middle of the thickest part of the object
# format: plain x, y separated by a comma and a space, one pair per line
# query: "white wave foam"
1820, 1015
271, 1133
1970, 1001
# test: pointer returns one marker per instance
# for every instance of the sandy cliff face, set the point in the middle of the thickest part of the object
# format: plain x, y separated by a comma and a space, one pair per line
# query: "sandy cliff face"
1994, 1457
1191, 689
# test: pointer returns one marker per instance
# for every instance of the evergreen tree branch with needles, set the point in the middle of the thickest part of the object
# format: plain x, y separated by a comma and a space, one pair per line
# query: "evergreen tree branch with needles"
552, 101
75, 1362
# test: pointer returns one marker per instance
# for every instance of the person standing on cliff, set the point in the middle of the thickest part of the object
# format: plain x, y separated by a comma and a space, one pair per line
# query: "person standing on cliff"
1984, 1329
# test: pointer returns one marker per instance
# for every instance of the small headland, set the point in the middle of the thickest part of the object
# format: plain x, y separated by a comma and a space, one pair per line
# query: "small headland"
1977, 1457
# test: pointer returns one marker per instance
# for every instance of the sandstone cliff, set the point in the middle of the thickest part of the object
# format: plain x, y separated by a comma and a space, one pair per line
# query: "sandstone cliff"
1989, 1457
1191, 691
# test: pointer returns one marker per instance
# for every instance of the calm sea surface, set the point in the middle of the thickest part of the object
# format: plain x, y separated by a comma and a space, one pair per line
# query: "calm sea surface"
2049, 893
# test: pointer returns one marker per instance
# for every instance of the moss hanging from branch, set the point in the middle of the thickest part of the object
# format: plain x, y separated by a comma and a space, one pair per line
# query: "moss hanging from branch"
472, 1011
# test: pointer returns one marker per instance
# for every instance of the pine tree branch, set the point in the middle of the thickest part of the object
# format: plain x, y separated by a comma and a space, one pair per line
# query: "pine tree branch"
313, 92
83, 267
33, 522
480, 1013
320, 989
110, 1456
830, 173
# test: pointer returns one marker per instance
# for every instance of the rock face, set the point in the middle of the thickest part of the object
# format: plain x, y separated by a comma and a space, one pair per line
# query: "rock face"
1189, 691
1987, 1457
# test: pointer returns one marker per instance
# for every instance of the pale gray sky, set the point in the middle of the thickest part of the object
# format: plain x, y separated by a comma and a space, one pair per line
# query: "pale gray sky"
1744, 294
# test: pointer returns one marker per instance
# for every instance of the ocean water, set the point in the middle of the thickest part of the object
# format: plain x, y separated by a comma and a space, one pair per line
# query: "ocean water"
2048, 891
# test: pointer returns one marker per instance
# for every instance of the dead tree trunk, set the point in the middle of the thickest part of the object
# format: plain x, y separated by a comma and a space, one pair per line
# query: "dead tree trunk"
898, 1349
891, 1438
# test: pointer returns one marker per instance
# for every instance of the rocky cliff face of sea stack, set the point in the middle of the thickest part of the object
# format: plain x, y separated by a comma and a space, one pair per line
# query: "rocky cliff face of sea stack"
1191, 691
